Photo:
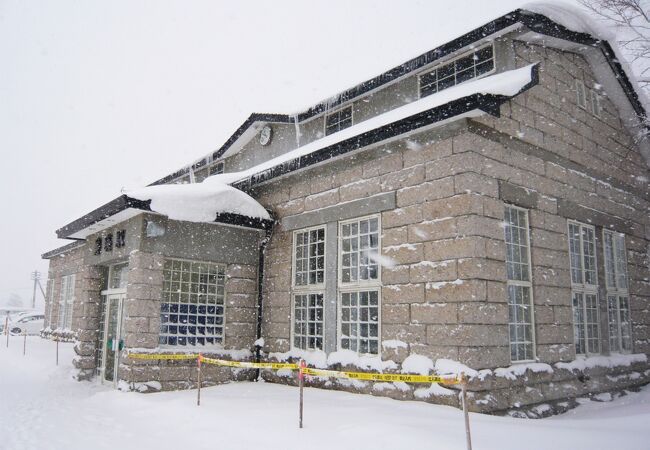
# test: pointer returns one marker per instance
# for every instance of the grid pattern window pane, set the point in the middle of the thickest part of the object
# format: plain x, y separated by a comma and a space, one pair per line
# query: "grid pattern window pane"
478, 63
359, 250
360, 321
309, 250
50, 304
581, 94
118, 278
582, 251
192, 308
217, 168
584, 279
517, 246
520, 305
618, 305
66, 302
338, 120
308, 321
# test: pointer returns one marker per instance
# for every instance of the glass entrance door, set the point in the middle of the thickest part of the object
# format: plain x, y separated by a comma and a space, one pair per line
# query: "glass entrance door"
112, 341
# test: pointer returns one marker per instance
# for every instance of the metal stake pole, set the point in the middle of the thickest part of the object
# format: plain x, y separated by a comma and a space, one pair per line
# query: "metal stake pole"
301, 383
198, 379
463, 385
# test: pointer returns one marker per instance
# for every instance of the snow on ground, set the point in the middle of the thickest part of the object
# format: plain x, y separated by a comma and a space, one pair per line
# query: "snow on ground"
43, 408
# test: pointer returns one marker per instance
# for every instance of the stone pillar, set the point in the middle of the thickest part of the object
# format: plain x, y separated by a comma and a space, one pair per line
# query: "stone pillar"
85, 319
241, 306
141, 311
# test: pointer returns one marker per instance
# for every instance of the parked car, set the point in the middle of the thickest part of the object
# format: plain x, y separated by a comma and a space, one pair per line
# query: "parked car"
31, 323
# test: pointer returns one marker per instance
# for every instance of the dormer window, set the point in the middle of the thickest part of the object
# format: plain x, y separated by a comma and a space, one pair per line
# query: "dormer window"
217, 168
474, 65
338, 120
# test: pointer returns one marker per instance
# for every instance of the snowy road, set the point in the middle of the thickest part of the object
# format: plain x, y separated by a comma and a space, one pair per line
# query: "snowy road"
42, 408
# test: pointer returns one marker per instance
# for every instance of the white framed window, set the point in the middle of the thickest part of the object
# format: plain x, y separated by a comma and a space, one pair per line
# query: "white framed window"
308, 282
581, 94
50, 303
309, 257
217, 168
359, 325
308, 321
595, 103
359, 251
338, 120
359, 281
477, 63
618, 300
584, 287
118, 276
193, 303
66, 302
520, 295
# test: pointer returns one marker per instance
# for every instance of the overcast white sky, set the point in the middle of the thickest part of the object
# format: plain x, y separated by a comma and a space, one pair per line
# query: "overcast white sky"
100, 95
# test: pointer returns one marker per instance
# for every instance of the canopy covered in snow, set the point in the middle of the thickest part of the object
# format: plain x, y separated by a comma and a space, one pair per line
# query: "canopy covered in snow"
199, 202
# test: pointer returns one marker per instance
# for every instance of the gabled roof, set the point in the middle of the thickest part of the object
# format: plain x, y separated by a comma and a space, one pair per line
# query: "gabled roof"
536, 22
455, 108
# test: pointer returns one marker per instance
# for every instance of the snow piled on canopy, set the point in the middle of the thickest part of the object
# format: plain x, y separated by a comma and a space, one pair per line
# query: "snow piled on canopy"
199, 202
507, 83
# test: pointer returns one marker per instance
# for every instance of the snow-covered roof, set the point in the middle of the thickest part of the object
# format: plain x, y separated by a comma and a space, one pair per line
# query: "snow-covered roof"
214, 197
199, 202
504, 84
562, 22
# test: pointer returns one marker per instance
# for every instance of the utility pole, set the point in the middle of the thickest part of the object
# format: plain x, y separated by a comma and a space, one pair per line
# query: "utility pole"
36, 276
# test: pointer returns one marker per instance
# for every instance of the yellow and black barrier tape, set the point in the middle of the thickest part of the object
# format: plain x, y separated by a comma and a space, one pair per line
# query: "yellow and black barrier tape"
388, 377
365, 376
161, 356
249, 365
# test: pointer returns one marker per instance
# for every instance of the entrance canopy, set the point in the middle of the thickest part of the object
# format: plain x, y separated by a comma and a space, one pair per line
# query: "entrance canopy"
199, 202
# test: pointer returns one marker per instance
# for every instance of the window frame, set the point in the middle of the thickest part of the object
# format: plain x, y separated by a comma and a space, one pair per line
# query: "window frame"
452, 59
213, 169
584, 288
338, 110
595, 103
358, 285
617, 292
581, 89
292, 333
66, 302
49, 289
339, 321
308, 287
525, 284
224, 305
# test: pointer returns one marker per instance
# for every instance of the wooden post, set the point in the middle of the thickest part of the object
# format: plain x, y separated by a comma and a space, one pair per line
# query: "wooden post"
7, 329
57, 351
301, 383
198, 379
463, 385
24, 341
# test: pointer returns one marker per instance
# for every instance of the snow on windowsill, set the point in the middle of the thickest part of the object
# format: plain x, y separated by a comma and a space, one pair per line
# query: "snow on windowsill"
583, 363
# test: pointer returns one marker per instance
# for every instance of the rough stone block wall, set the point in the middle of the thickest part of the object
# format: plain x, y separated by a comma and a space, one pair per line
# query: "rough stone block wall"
446, 296
142, 326
67, 263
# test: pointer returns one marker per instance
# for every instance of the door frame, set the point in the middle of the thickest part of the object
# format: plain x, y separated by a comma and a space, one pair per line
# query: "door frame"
109, 296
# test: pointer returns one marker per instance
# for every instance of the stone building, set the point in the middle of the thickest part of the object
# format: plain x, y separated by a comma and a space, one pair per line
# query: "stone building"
483, 207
